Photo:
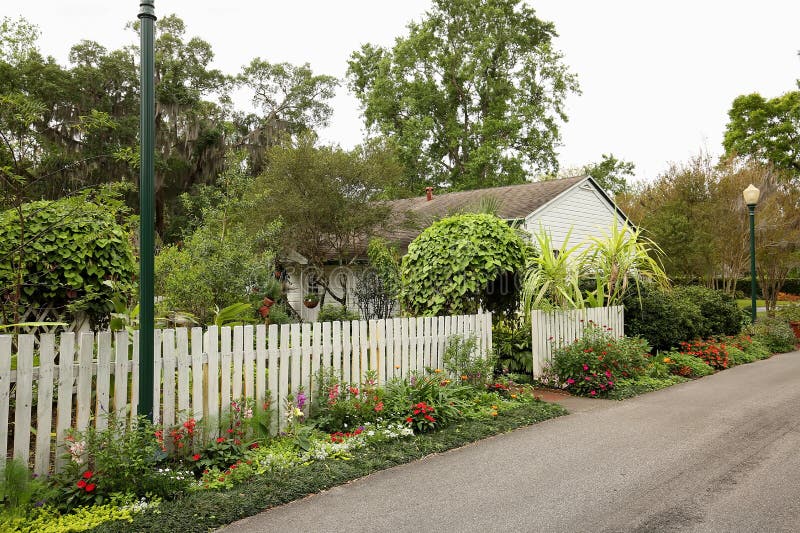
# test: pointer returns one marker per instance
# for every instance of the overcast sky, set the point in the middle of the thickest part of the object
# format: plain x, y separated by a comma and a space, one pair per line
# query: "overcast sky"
657, 77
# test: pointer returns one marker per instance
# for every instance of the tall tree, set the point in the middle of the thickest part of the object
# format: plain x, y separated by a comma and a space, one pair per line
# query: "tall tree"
767, 130
291, 99
323, 196
472, 96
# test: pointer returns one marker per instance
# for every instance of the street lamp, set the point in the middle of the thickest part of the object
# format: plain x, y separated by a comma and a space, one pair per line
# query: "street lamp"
751, 194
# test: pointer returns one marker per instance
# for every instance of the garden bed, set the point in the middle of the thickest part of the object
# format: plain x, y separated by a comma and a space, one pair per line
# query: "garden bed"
204, 510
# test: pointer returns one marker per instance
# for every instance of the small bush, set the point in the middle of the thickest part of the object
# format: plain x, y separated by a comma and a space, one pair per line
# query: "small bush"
333, 312
512, 345
463, 362
750, 346
590, 366
775, 334
721, 314
739, 357
686, 365
664, 319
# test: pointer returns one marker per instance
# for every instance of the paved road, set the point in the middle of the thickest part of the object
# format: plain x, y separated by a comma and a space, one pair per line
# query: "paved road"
718, 454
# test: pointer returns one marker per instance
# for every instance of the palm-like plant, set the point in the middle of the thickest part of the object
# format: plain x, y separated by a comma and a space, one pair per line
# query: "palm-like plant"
619, 257
553, 275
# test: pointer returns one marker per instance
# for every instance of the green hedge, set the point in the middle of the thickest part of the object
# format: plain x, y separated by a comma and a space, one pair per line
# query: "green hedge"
667, 318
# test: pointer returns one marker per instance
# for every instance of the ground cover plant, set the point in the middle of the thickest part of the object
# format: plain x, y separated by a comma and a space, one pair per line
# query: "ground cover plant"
121, 478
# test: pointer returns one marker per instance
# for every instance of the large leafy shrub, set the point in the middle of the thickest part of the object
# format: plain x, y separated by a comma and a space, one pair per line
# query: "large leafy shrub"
461, 263
685, 364
210, 271
72, 249
775, 334
591, 365
720, 312
664, 318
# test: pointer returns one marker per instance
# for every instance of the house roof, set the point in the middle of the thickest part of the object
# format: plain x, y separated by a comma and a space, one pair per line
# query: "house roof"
410, 216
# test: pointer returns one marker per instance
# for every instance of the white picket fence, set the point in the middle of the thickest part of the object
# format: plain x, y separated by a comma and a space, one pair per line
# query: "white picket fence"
197, 373
552, 329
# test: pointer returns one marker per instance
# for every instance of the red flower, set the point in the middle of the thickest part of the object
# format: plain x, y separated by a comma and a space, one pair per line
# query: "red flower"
409, 420
196, 457
87, 474
221, 439
90, 487
81, 484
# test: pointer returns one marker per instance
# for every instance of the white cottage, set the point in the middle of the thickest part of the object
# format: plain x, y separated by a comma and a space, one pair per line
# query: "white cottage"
577, 204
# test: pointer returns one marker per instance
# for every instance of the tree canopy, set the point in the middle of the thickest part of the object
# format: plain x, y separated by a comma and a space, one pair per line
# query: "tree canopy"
767, 130
472, 96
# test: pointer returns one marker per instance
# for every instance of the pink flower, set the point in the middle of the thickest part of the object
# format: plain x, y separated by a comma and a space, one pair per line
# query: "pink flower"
608, 373
570, 381
586, 367
610, 383
593, 393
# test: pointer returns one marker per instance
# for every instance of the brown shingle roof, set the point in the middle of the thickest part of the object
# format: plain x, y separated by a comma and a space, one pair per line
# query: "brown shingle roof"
411, 215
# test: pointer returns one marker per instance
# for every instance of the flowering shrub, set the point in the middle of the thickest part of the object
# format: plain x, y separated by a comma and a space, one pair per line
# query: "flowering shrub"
115, 460
712, 352
591, 365
344, 405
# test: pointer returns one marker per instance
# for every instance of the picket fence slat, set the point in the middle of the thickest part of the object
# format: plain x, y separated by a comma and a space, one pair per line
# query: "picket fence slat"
198, 373
102, 407
44, 418
5, 388
22, 418
182, 338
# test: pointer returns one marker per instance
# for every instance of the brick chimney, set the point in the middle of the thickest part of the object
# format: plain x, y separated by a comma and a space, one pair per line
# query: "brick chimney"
429, 193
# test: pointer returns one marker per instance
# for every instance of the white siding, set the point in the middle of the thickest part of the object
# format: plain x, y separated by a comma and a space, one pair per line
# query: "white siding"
582, 208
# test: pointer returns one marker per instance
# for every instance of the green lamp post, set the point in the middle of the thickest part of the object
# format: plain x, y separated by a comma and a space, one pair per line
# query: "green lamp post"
751, 194
147, 127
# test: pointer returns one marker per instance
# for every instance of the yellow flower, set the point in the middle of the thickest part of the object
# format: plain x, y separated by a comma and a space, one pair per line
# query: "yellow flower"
494, 413
494, 407
667, 360
513, 395
464, 378
397, 366
438, 370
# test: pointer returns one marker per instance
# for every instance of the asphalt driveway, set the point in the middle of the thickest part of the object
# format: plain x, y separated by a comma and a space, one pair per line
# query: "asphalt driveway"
716, 454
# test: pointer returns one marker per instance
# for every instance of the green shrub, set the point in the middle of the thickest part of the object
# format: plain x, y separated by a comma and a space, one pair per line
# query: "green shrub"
686, 365
279, 315
789, 313
750, 346
79, 248
591, 366
117, 460
511, 342
775, 334
739, 357
721, 314
461, 263
664, 319
208, 272
333, 312
462, 362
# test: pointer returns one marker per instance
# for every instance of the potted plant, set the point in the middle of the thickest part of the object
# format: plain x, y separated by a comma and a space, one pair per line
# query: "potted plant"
266, 296
311, 300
